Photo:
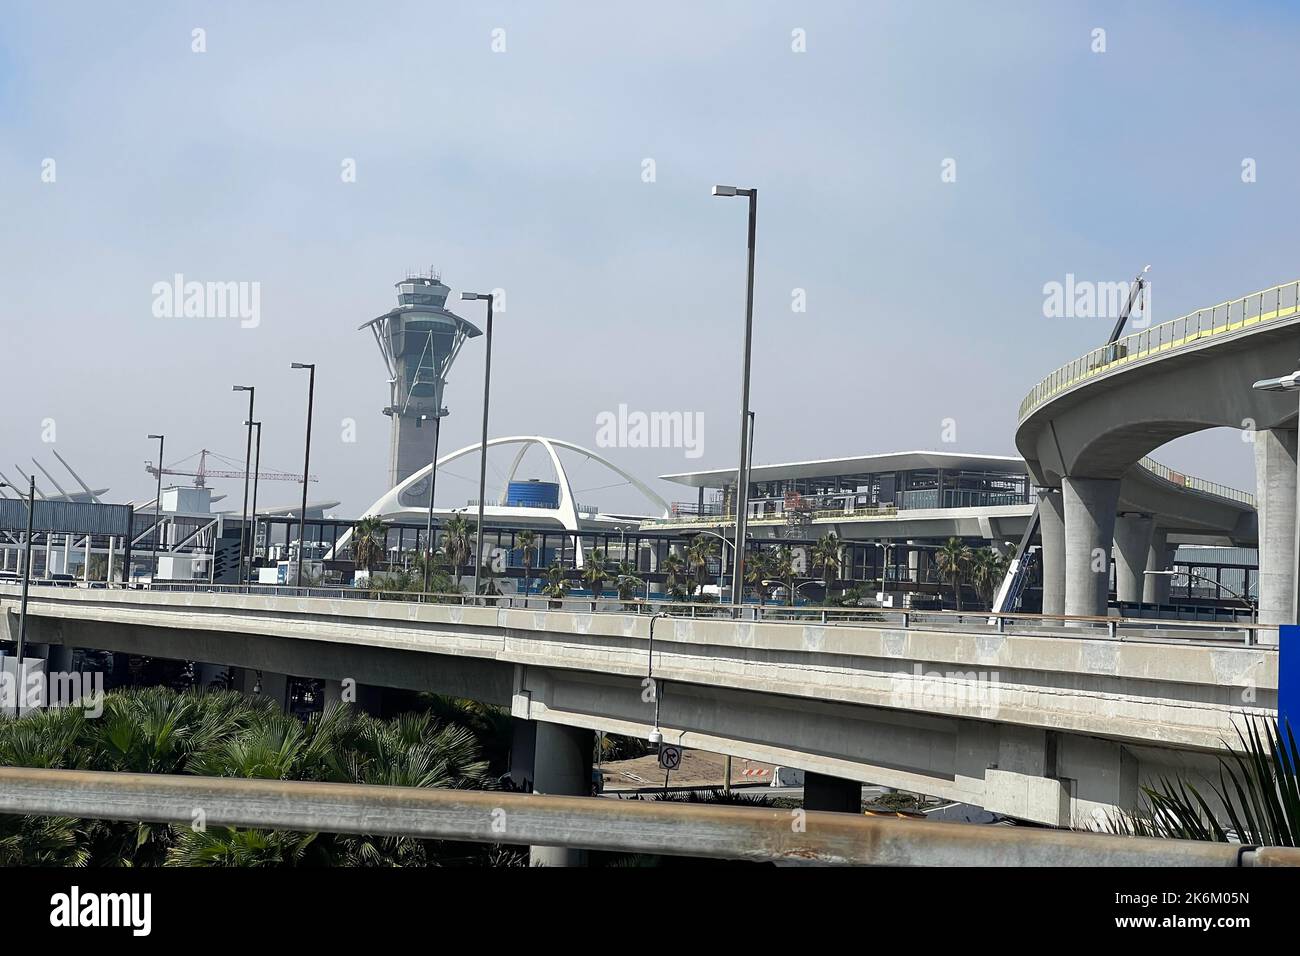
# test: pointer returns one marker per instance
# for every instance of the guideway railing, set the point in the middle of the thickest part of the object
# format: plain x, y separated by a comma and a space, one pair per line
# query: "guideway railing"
967, 621
1257, 308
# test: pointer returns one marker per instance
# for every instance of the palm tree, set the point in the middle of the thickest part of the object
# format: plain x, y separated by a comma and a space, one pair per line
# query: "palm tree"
526, 541
699, 553
628, 583
594, 572
674, 568
826, 555
954, 560
782, 567
368, 536
988, 568
757, 570
458, 543
557, 584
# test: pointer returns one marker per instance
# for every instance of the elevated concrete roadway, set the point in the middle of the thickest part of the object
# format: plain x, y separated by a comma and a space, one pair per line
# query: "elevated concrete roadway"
1040, 723
1084, 427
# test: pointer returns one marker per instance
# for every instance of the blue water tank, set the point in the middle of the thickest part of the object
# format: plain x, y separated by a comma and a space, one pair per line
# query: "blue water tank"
533, 494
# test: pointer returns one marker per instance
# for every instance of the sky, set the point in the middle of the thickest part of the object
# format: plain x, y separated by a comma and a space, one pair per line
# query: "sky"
924, 170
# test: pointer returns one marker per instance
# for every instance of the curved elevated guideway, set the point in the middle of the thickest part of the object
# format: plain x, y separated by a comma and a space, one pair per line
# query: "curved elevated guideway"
1084, 428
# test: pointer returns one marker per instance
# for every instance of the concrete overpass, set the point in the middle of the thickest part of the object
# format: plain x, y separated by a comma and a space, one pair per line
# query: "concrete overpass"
1084, 427
1039, 721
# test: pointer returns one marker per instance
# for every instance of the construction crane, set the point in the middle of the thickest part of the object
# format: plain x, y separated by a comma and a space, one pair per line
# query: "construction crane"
201, 473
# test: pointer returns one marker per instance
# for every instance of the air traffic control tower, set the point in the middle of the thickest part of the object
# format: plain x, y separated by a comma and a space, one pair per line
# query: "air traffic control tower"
418, 340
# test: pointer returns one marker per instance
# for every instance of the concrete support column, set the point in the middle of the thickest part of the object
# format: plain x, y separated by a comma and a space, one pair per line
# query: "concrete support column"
1132, 545
267, 684
561, 767
1089, 530
1051, 528
1160, 557
58, 659
835, 794
333, 693
1275, 482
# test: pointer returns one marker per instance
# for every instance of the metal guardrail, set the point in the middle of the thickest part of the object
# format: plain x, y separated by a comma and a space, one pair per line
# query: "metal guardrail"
1196, 484
978, 621
1267, 305
629, 826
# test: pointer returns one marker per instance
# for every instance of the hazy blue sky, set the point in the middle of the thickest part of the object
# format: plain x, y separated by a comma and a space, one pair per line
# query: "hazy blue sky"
523, 170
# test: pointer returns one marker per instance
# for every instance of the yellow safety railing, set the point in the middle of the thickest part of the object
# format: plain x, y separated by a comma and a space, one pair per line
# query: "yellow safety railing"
1267, 305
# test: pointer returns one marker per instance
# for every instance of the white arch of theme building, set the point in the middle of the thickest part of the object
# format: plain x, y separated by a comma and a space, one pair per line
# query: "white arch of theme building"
566, 514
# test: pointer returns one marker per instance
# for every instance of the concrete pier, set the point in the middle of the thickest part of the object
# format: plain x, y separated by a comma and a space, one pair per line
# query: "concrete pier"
1132, 549
561, 766
1089, 529
1051, 524
835, 794
1275, 479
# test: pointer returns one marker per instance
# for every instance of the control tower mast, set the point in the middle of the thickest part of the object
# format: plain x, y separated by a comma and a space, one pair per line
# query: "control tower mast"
418, 340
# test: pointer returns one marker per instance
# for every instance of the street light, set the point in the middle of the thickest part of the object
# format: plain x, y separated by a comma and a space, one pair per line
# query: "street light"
306, 468
482, 461
257, 473
1289, 383
157, 511
1254, 611
742, 475
248, 460
27, 577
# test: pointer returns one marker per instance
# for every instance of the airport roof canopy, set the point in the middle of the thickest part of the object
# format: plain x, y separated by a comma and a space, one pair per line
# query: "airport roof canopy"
863, 465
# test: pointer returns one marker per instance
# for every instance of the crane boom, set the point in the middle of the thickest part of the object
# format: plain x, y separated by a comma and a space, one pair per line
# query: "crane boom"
202, 472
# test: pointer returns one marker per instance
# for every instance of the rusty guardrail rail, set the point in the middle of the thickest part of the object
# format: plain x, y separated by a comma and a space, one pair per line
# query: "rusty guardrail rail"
722, 832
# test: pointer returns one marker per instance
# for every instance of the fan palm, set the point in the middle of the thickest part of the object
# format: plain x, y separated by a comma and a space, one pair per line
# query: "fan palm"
556, 584
954, 560
782, 567
700, 552
988, 568
757, 570
826, 555
628, 583
526, 541
368, 539
594, 572
458, 543
674, 569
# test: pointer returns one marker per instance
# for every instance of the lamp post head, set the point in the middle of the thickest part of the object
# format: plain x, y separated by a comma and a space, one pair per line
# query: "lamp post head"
1284, 383
302, 365
724, 190
243, 388
159, 437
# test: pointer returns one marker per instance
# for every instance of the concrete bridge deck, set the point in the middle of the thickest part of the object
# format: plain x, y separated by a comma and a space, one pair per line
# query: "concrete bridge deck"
1046, 722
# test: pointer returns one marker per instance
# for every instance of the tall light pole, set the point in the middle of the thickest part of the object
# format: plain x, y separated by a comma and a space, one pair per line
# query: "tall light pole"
257, 473
157, 512
742, 476
482, 462
248, 461
306, 469
22, 607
